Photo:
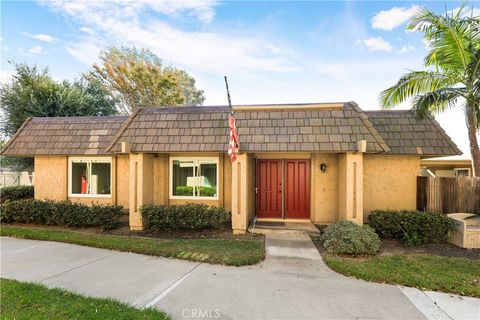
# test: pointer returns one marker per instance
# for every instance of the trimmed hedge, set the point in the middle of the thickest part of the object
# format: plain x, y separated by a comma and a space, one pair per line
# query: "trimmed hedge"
411, 227
346, 237
188, 191
63, 213
16, 193
188, 216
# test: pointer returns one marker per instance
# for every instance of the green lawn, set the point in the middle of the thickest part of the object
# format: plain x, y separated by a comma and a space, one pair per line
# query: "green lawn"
217, 251
426, 272
21, 300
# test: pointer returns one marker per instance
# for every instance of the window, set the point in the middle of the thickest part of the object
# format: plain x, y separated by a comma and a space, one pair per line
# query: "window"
194, 178
89, 177
462, 172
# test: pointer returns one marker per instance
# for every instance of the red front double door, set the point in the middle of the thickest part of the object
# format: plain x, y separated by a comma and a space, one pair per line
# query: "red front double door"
283, 189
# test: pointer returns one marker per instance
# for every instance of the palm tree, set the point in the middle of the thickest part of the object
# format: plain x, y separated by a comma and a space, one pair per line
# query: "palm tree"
453, 75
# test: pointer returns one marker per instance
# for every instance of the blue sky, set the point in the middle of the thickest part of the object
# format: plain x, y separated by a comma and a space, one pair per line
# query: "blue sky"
272, 52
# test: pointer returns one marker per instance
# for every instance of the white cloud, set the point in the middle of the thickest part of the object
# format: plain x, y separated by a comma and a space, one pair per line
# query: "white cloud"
201, 51
35, 50
466, 12
406, 49
87, 30
85, 51
202, 10
377, 44
40, 36
395, 17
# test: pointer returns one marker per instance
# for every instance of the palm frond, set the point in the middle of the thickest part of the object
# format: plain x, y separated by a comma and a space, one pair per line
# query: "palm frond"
413, 84
449, 37
436, 101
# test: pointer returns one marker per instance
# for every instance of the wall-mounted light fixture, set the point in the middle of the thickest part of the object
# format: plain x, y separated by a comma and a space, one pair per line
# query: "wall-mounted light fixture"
323, 167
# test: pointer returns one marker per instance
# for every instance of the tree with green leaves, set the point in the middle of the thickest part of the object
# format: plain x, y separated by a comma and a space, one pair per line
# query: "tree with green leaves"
453, 75
32, 92
138, 79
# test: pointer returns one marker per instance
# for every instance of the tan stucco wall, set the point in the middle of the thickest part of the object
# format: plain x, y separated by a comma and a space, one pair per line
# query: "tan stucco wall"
161, 163
390, 182
243, 186
51, 177
324, 191
350, 187
122, 176
141, 187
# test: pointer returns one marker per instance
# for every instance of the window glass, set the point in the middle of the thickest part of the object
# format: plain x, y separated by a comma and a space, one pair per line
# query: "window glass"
79, 178
182, 178
100, 178
207, 175
194, 178
90, 176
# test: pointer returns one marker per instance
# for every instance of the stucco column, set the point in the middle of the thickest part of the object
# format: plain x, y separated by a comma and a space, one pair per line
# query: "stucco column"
350, 188
141, 187
241, 199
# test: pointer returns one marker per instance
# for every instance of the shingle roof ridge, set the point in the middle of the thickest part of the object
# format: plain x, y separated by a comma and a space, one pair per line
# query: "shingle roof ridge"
181, 109
373, 131
97, 118
388, 111
122, 129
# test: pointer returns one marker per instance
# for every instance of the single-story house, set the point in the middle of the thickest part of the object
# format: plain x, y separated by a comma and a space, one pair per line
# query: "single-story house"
319, 162
454, 168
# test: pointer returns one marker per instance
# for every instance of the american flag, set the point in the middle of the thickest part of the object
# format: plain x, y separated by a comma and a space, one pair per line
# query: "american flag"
234, 143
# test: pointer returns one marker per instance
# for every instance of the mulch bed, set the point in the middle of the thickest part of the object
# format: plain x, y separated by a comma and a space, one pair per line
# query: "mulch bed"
394, 247
224, 233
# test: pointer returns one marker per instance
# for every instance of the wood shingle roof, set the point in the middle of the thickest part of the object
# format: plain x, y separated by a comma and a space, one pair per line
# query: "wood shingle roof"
333, 128
63, 135
406, 134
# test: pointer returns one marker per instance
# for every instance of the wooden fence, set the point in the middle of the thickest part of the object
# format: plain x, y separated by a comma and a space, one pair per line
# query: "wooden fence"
448, 195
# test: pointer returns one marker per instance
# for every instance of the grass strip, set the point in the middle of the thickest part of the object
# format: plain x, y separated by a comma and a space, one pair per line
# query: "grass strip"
216, 251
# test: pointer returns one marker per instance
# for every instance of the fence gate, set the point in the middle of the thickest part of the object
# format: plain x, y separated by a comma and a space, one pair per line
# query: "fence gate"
448, 195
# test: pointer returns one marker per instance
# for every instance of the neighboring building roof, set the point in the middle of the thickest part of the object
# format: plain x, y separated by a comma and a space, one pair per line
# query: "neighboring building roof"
63, 135
406, 134
313, 128
457, 163
333, 127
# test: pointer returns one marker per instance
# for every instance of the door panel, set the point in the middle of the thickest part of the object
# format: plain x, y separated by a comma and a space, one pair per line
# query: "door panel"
269, 188
297, 189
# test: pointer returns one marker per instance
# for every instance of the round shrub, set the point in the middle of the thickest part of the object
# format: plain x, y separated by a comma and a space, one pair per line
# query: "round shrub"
346, 237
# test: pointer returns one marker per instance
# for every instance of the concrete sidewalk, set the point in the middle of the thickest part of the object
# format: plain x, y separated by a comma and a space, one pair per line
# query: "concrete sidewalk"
292, 283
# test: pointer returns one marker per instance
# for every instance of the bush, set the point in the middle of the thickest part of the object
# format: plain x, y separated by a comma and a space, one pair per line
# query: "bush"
63, 213
188, 191
188, 216
346, 237
411, 227
16, 193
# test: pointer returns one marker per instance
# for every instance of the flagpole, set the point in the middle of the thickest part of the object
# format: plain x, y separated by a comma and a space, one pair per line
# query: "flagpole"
228, 96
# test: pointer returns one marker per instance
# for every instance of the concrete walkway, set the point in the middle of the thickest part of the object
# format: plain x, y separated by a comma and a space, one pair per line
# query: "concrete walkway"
292, 283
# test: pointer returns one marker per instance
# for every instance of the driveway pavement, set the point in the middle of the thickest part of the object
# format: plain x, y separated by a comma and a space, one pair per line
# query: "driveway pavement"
292, 283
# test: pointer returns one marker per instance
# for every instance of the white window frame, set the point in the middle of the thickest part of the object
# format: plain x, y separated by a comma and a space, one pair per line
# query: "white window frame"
170, 175
81, 195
